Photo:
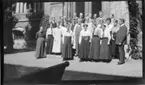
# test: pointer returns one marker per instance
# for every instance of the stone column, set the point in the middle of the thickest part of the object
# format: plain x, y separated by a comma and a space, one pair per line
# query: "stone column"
90, 7
17, 7
86, 8
34, 7
25, 7
74, 7
47, 7
21, 7
38, 6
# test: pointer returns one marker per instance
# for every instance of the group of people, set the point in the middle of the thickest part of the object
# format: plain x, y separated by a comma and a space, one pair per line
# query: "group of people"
93, 39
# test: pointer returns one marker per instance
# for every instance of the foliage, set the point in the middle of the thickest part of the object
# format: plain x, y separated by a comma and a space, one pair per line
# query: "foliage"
9, 22
45, 22
133, 9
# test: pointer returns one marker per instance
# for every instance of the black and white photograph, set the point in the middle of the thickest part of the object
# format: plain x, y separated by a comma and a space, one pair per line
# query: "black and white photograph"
47, 42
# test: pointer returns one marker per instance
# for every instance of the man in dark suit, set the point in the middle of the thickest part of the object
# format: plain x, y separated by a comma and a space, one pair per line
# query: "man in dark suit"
121, 40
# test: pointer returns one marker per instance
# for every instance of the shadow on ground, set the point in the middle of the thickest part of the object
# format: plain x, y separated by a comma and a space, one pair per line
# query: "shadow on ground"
36, 75
75, 75
22, 74
31, 46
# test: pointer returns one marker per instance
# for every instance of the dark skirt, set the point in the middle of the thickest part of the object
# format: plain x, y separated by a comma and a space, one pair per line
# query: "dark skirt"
49, 44
95, 48
67, 48
113, 48
40, 47
104, 50
84, 48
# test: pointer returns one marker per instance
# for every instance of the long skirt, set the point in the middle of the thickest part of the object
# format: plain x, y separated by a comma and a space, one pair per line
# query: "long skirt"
84, 48
49, 44
40, 48
95, 48
67, 48
104, 50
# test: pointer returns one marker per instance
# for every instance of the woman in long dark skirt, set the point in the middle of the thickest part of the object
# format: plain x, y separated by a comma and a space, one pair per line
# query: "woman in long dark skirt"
105, 41
84, 41
49, 37
113, 38
40, 44
95, 45
67, 44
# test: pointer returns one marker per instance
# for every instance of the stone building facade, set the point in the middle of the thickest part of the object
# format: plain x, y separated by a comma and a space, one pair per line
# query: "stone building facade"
56, 9
118, 8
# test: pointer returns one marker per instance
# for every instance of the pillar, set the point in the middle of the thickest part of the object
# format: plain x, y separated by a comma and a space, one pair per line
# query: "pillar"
74, 7
38, 6
34, 7
88, 8
17, 7
21, 7
25, 7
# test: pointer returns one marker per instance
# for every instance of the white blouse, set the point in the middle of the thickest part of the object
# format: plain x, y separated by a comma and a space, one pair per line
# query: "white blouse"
106, 34
63, 30
69, 34
90, 27
49, 31
114, 29
109, 27
85, 33
97, 31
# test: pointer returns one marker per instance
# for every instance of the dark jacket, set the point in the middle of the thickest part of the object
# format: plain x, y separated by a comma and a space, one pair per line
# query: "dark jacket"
121, 35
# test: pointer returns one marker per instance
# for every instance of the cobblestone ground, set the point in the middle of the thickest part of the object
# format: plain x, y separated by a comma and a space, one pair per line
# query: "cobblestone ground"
79, 70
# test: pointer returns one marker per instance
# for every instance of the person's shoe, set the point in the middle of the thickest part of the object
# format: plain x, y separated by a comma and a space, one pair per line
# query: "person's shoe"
120, 63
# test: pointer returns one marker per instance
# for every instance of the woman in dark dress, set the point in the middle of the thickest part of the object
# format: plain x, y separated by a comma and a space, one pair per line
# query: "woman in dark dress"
40, 44
95, 45
67, 43
50, 38
84, 42
105, 41
113, 38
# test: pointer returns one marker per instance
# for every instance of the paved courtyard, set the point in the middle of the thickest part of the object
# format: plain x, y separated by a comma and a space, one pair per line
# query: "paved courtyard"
78, 70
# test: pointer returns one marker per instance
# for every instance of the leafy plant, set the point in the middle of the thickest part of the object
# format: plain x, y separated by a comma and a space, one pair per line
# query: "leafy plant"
133, 9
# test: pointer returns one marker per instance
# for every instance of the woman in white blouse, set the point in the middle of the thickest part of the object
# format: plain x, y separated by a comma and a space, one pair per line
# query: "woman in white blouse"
67, 43
84, 41
105, 41
49, 37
